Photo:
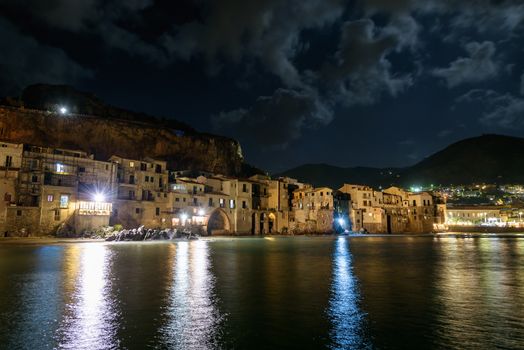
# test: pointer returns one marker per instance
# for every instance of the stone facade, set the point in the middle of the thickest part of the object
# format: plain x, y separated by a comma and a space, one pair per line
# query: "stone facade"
392, 210
56, 187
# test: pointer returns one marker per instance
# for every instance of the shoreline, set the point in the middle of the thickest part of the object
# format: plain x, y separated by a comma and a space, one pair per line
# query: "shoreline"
57, 240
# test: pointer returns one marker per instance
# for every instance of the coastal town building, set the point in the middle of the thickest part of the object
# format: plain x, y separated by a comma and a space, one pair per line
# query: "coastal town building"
58, 188
46, 190
313, 209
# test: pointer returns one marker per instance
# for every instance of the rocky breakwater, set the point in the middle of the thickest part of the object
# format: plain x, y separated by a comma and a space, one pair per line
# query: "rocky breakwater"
142, 234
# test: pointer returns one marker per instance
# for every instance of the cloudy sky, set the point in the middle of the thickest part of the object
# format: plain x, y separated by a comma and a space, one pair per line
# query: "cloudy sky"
370, 82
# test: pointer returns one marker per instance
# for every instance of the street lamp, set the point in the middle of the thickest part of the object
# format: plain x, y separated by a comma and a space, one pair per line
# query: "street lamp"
99, 197
62, 110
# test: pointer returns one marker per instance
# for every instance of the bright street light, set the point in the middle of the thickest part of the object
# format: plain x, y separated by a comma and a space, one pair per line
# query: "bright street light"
62, 110
99, 197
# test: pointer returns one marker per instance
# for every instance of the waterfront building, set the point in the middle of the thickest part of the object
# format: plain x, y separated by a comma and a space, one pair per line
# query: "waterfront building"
313, 209
142, 195
477, 215
60, 188
11, 161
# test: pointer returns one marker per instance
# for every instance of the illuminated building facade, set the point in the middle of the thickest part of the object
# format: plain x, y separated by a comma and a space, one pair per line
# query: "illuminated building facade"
59, 188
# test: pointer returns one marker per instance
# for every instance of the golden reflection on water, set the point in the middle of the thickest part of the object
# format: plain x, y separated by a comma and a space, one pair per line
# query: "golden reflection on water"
479, 293
90, 319
191, 316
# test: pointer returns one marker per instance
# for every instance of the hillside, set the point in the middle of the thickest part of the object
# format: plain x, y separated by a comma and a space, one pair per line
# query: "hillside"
104, 130
487, 158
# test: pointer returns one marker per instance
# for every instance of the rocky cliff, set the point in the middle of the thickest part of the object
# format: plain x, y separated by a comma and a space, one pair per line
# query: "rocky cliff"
104, 136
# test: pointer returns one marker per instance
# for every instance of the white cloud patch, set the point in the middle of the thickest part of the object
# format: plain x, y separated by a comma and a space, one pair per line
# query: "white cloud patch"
479, 66
503, 111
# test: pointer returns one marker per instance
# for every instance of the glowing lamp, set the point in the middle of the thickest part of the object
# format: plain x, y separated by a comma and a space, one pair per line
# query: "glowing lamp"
201, 212
183, 217
99, 197
341, 221
62, 110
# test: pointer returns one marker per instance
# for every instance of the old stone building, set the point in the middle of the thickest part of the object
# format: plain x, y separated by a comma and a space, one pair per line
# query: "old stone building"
57, 187
313, 209
10, 163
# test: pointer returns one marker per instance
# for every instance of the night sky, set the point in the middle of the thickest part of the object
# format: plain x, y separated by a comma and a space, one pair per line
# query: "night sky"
371, 82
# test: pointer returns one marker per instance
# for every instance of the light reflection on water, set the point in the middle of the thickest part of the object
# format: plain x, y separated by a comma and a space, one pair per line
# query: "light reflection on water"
346, 317
192, 318
479, 294
90, 317
301, 292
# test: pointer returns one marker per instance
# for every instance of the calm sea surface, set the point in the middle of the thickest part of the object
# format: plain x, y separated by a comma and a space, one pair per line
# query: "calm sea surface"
277, 293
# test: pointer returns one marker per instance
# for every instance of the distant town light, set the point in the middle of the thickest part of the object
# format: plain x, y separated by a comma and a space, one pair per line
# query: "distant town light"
183, 217
201, 212
62, 110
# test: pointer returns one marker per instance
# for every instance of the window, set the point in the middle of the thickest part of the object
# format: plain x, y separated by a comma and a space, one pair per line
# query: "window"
183, 199
222, 202
131, 194
244, 188
18, 213
81, 169
143, 166
414, 203
137, 210
64, 200
131, 164
147, 178
107, 167
244, 205
195, 201
152, 179
157, 211
34, 178
8, 161
50, 197
60, 168
210, 202
57, 214
232, 203
177, 199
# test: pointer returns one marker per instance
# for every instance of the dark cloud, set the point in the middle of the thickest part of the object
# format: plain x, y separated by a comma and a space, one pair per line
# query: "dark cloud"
503, 111
357, 73
266, 30
360, 71
276, 120
25, 61
479, 66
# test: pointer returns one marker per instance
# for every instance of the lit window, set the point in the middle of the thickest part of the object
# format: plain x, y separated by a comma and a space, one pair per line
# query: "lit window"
131, 164
60, 168
50, 197
64, 201
232, 203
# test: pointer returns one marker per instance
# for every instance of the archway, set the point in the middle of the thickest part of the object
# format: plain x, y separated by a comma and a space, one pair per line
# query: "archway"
218, 223
271, 222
